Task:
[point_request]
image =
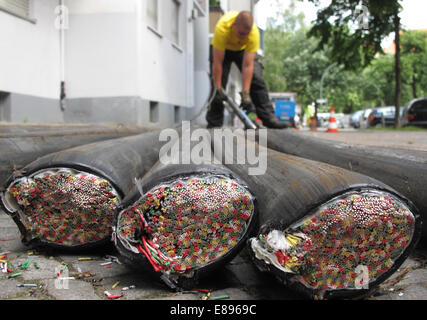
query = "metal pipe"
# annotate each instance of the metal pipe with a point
(249, 124)
(62, 12)
(323, 77)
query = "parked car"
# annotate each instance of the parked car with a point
(340, 118)
(364, 118)
(323, 119)
(382, 116)
(355, 119)
(415, 113)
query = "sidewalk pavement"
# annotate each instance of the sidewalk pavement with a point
(238, 280)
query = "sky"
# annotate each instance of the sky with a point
(413, 15)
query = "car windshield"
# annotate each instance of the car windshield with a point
(389, 112)
(420, 105)
(386, 111)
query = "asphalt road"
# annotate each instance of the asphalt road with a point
(412, 140)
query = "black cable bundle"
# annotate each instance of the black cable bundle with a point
(403, 170)
(325, 231)
(68, 199)
(184, 221)
(22, 144)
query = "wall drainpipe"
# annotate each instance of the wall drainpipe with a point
(62, 19)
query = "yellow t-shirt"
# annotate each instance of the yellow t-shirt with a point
(225, 38)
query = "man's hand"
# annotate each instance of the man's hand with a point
(220, 94)
(247, 103)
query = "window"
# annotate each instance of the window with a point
(177, 114)
(419, 105)
(4, 106)
(201, 3)
(19, 8)
(152, 14)
(176, 4)
(199, 8)
(154, 111)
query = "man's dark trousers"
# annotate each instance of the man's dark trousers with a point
(258, 90)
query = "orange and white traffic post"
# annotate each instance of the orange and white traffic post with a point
(332, 126)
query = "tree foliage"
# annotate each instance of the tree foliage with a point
(414, 59)
(295, 61)
(355, 35)
(354, 29)
(292, 64)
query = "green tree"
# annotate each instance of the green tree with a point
(291, 65)
(355, 29)
(380, 88)
(275, 40)
(414, 59)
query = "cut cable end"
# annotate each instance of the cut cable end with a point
(186, 224)
(63, 206)
(350, 243)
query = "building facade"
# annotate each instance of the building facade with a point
(142, 62)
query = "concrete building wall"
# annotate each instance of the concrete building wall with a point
(115, 62)
(29, 64)
(29, 52)
(116, 67)
(202, 82)
(237, 5)
(101, 49)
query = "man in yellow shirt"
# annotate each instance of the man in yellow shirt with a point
(236, 39)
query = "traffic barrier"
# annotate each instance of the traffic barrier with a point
(332, 125)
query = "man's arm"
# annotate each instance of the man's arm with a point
(247, 70)
(218, 58)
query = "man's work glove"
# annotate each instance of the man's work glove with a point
(247, 103)
(220, 95)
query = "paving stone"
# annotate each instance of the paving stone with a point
(180, 296)
(71, 290)
(48, 268)
(418, 276)
(239, 279)
(417, 291)
(9, 289)
(94, 266)
(233, 293)
(146, 286)
(9, 230)
(246, 274)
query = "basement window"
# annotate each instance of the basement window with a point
(18, 8)
(154, 111)
(177, 114)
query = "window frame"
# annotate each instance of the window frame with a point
(177, 34)
(29, 17)
(155, 29)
